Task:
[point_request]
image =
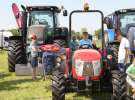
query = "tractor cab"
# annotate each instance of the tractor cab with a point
(123, 20)
(41, 21)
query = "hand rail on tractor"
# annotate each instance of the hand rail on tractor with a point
(89, 11)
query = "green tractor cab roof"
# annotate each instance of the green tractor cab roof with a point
(122, 11)
(43, 8)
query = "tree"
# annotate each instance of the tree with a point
(78, 35)
(73, 32)
(14, 32)
(84, 30)
(98, 33)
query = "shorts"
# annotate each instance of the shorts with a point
(34, 62)
(131, 82)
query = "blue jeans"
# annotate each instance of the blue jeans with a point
(34, 62)
(48, 62)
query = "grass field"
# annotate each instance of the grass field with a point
(14, 87)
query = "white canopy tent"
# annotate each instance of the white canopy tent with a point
(3, 35)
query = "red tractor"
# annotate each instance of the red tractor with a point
(87, 69)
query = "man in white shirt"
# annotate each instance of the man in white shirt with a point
(123, 53)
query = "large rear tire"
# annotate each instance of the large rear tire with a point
(16, 52)
(58, 86)
(20, 53)
(11, 56)
(119, 85)
(61, 43)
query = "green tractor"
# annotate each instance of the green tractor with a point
(123, 20)
(41, 20)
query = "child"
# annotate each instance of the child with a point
(131, 77)
(34, 55)
(85, 40)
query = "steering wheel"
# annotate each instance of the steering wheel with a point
(85, 46)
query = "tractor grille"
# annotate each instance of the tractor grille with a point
(88, 69)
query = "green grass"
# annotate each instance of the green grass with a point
(24, 88)
(98, 43)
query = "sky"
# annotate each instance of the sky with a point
(7, 20)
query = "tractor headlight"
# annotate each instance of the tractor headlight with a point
(96, 63)
(79, 67)
(79, 63)
(58, 59)
(109, 57)
(96, 67)
(58, 65)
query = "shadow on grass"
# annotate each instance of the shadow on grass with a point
(95, 96)
(4, 75)
(48, 86)
(12, 84)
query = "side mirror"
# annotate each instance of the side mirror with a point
(65, 12)
(108, 22)
(23, 7)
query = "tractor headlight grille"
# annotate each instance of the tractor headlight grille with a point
(87, 68)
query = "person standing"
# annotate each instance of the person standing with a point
(131, 77)
(34, 55)
(74, 44)
(123, 53)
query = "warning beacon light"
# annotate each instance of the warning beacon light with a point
(86, 6)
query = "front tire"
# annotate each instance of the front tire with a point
(58, 86)
(16, 52)
(115, 48)
(119, 85)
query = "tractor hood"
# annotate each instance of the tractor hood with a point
(87, 55)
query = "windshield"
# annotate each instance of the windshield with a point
(89, 25)
(126, 19)
(42, 18)
(42, 24)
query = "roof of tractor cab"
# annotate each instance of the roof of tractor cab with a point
(43, 8)
(123, 11)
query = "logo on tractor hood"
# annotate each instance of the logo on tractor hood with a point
(84, 68)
